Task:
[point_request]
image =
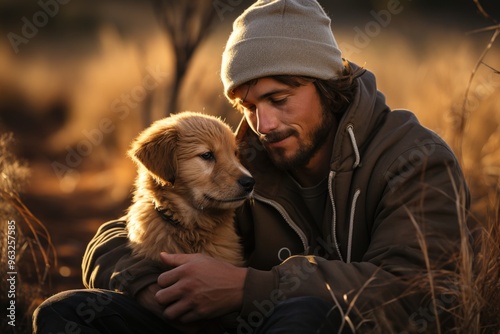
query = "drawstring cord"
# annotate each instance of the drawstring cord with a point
(351, 224)
(357, 162)
(350, 130)
(331, 176)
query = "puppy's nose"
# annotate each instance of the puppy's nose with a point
(247, 182)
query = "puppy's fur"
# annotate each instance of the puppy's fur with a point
(189, 183)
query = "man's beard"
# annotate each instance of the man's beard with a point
(308, 147)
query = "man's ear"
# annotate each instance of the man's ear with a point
(155, 149)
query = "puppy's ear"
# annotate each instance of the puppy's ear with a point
(155, 149)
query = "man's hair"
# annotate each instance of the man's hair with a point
(335, 94)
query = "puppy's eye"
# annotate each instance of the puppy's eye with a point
(209, 156)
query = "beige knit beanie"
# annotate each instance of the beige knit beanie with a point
(280, 37)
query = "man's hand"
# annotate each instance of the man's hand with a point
(146, 297)
(199, 287)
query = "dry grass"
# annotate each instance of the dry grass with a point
(474, 286)
(34, 251)
(464, 299)
(429, 77)
(479, 268)
(486, 271)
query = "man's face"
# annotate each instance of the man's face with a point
(290, 121)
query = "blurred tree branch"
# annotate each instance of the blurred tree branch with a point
(465, 112)
(483, 12)
(187, 23)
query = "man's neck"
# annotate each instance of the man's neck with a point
(318, 167)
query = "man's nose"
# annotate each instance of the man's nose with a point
(266, 119)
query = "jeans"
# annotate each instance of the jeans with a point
(102, 311)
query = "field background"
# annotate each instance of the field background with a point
(61, 94)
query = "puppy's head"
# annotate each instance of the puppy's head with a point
(197, 155)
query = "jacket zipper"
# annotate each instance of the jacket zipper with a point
(287, 219)
(334, 218)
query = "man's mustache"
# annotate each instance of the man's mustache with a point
(276, 136)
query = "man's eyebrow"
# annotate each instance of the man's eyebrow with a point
(239, 101)
(274, 92)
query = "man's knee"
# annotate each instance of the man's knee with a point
(62, 313)
(58, 304)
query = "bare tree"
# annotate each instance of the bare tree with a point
(187, 23)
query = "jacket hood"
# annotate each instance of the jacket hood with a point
(358, 123)
(354, 131)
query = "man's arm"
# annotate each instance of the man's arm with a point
(108, 262)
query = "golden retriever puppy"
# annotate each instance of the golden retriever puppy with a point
(188, 185)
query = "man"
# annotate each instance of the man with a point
(352, 203)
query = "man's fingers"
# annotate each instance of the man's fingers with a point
(168, 296)
(175, 260)
(179, 304)
(171, 276)
(181, 267)
(167, 278)
(199, 287)
(177, 310)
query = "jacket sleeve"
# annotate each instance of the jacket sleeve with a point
(427, 199)
(108, 262)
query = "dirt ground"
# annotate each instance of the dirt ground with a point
(72, 220)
